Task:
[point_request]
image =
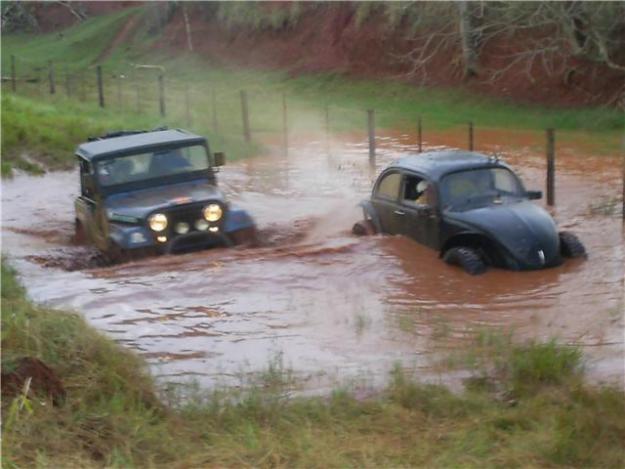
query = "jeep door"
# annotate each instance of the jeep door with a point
(417, 203)
(385, 200)
(89, 209)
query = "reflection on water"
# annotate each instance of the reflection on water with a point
(335, 307)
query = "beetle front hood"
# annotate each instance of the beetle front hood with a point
(138, 204)
(525, 230)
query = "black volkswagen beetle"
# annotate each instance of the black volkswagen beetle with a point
(154, 192)
(470, 207)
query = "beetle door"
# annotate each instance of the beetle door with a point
(385, 200)
(418, 203)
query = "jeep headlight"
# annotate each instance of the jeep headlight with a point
(157, 222)
(212, 212)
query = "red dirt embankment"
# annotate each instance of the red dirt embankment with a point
(328, 37)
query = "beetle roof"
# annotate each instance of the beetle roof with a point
(436, 164)
(136, 142)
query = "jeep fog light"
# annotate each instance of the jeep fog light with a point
(201, 225)
(158, 222)
(161, 239)
(212, 212)
(182, 228)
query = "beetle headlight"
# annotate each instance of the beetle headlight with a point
(212, 212)
(157, 222)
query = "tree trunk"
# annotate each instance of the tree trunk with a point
(467, 40)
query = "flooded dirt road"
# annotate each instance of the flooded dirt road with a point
(333, 307)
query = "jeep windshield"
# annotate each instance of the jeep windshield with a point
(152, 165)
(479, 187)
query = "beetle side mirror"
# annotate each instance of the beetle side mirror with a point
(534, 195)
(220, 158)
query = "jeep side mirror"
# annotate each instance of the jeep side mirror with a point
(220, 159)
(88, 186)
(534, 195)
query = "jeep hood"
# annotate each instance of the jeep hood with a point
(523, 229)
(139, 203)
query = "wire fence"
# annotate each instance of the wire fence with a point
(148, 90)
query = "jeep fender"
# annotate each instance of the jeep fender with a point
(237, 219)
(370, 213)
(496, 254)
(129, 236)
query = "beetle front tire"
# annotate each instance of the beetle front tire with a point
(467, 258)
(571, 246)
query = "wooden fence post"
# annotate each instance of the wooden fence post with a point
(285, 129)
(327, 128)
(13, 75)
(214, 106)
(623, 169)
(68, 90)
(371, 131)
(161, 94)
(470, 136)
(187, 105)
(100, 86)
(420, 135)
(551, 167)
(120, 102)
(51, 77)
(246, 117)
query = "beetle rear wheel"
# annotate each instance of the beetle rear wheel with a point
(467, 258)
(571, 246)
(364, 228)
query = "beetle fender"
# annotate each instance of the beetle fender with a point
(370, 213)
(495, 254)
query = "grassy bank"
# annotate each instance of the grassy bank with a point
(40, 135)
(531, 409)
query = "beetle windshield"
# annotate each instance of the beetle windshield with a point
(151, 165)
(478, 187)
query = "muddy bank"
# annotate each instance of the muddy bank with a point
(333, 307)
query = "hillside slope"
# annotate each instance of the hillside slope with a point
(372, 40)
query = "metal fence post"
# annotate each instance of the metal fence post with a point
(371, 131)
(551, 167)
(470, 136)
(246, 119)
(100, 86)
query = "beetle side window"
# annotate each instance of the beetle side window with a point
(388, 188)
(417, 191)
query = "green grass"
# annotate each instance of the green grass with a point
(111, 418)
(39, 135)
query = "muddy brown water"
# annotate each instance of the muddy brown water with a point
(333, 308)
